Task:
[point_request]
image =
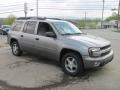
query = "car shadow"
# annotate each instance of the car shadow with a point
(38, 59)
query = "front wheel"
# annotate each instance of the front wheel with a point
(16, 49)
(72, 64)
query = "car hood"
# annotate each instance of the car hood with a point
(90, 40)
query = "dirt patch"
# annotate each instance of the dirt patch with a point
(66, 80)
(31, 73)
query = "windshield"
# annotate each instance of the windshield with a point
(66, 28)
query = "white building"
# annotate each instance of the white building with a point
(108, 25)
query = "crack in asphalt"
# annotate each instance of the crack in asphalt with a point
(64, 82)
(1, 46)
(17, 64)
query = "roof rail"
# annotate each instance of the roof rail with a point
(54, 18)
(33, 18)
(36, 18)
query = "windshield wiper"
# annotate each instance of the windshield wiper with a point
(67, 34)
(77, 33)
(71, 33)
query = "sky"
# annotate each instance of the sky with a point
(58, 8)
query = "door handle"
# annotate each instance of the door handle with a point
(36, 38)
(22, 36)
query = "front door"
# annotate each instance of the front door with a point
(46, 46)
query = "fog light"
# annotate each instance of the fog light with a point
(96, 64)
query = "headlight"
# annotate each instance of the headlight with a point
(94, 52)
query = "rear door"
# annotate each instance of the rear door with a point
(27, 37)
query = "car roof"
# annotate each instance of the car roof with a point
(40, 19)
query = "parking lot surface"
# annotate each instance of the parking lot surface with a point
(29, 72)
(3, 41)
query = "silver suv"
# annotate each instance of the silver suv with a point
(59, 40)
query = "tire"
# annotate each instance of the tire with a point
(72, 64)
(4, 33)
(16, 49)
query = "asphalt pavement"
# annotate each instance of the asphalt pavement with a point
(29, 72)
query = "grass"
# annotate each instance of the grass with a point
(89, 23)
(117, 31)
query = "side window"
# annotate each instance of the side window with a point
(43, 28)
(25, 26)
(29, 27)
(17, 25)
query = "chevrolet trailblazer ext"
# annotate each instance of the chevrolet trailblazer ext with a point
(60, 40)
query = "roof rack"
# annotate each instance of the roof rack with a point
(54, 18)
(36, 18)
(33, 18)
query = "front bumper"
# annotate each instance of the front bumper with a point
(90, 62)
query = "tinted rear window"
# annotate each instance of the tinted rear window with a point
(17, 25)
(29, 27)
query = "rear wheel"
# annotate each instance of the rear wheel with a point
(4, 33)
(72, 64)
(16, 49)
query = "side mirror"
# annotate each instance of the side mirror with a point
(50, 34)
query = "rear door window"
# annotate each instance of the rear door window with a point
(30, 27)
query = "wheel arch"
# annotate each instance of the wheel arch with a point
(67, 50)
(12, 40)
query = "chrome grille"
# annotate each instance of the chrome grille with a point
(105, 47)
(105, 50)
(103, 54)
